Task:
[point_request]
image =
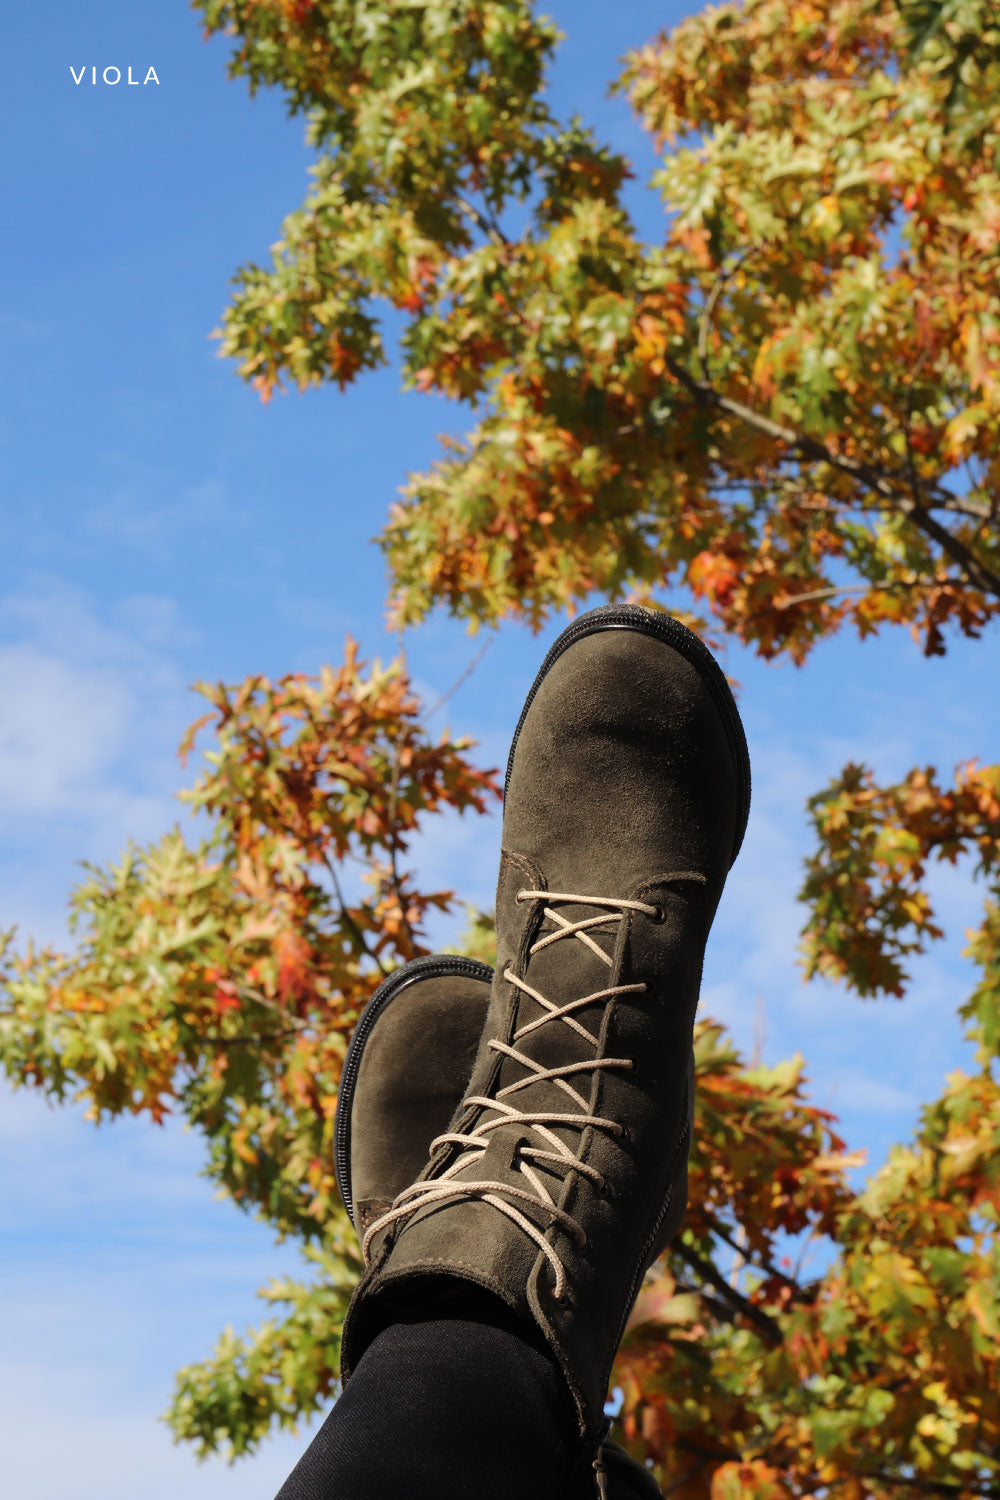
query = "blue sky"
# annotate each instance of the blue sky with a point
(160, 526)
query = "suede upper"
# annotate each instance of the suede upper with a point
(624, 788)
(414, 1068)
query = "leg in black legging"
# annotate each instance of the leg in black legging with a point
(452, 1402)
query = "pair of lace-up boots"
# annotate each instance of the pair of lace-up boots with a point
(528, 1130)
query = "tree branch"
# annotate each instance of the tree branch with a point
(256, 997)
(866, 588)
(756, 1315)
(312, 842)
(718, 1455)
(687, 1476)
(482, 221)
(930, 1486)
(976, 572)
(878, 481)
(759, 1260)
(718, 1309)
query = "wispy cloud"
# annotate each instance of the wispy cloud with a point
(77, 1426)
(168, 522)
(123, 1269)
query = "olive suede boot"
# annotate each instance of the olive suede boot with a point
(565, 1169)
(404, 1076)
(405, 1073)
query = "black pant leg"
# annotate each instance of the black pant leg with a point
(461, 1406)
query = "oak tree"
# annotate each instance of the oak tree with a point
(784, 412)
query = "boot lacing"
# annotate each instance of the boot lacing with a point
(441, 1189)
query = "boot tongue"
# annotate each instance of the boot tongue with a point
(501, 1159)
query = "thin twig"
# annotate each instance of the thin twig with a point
(830, 593)
(250, 1041)
(759, 1261)
(717, 1308)
(740, 1258)
(349, 921)
(462, 677)
(258, 998)
(393, 847)
(807, 1244)
(911, 465)
(321, 855)
(705, 322)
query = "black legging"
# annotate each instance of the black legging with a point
(456, 1404)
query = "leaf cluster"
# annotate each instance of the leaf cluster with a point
(869, 907)
(221, 980)
(795, 389)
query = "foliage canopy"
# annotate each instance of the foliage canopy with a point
(785, 411)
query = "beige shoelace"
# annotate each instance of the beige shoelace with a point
(504, 1195)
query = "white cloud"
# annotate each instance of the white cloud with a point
(860, 1091)
(92, 705)
(60, 725)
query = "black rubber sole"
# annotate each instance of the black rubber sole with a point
(672, 633)
(435, 966)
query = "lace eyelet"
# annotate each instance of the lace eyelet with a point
(659, 914)
(521, 896)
